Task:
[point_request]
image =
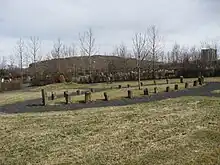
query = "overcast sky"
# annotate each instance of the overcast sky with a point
(113, 21)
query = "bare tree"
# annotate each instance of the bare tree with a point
(20, 50)
(11, 61)
(175, 53)
(33, 48)
(122, 51)
(88, 47)
(3, 63)
(154, 46)
(140, 52)
(57, 52)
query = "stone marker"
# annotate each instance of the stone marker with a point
(142, 84)
(167, 80)
(130, 94)
(200, 80)
(92, 90)
(168, 89)
(186, 85)
(128, 85)
(155, 89)
(195, 83)
(155, 83)
(53, 95)
(146, 92)
(78, 92)
(181, 79)
(44, 97)
(176, 87)
(64, 93)
(88, 97)
(203, 79)
(106, 96)
(67, 97)
(119, 86)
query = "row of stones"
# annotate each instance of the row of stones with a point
(88, 95)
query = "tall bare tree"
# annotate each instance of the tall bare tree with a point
(11, 61)
(33, 48)
(175, 53)
(140, 52)
(57, 53)
(20, 51)
(154, 46)
(3, 63)
(88, 47)
(122, 51)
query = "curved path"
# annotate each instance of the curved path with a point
(205, 90)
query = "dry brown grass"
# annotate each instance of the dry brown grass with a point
(174, 131)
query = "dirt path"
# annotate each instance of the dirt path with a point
(22, 107)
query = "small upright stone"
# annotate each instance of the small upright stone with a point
(176, 87)
(67, 98)
(78, 92)
(167, 80)
(167, 89)
(146, 92)
(155, 90)
(142, 84)
(203, 79)
(64, 93)
(181, 79)
(53, 95)
(130, 94)
(92, 90)
(155, 83)
(200, 80)
(44, 97)
(88, 97)
(195, 83)
(128, 85)
(186, 85)
(106, 96)
(119, 86)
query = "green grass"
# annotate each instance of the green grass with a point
(216, 91)
(185, 130)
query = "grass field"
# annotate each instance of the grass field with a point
(185, 130)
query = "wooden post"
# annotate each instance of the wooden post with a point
(167, 80)
(130, 94)
(146, 92)
(44, 97)
(176, 87)
(181, 79)
(142, 84)
(128, 85)
(53, 95)
(92, 90)
(155, 83)
(186, 85)
(203, 79)
(155, 89)
(119, 86)
(106, 96)
(200, 80)
(167, 89)
(88, 97)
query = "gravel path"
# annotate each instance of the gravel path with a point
(22, 107)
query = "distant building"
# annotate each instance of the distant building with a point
(209, 55)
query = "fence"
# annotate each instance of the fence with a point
(9, 86)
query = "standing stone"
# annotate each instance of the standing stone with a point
(44, 97)
(146, 92)
(142, 84)
(53, 95)
(106, 96)
(176, 87)
(155, 83)
(168, 89)
(155, 90)
(200, 80)
(195, 83)
(78, 92)
(67, 98)
(92, 90)
(128, 85)
(88, 97)
(181, 79)
(130, 94)
(64, 93)
(119, 86)
(167, 80)
(186, 85)
(203, 79)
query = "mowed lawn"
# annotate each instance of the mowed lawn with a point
(185, 130)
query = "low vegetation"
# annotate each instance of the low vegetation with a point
(185, 130)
